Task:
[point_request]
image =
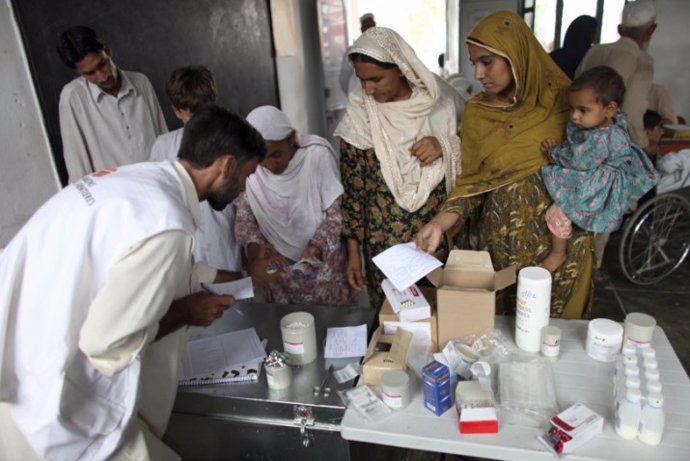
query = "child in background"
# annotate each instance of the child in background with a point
(189, 88)
(598, 173)
(674, 167)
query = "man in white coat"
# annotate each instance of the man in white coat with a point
(96, 292)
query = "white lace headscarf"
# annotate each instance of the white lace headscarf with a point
(391, 128)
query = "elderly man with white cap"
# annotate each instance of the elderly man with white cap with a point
(628, 57)
(289, 220)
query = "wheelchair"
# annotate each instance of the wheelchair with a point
(656, 238)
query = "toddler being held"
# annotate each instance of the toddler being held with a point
(598, 173)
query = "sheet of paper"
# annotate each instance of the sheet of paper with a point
(416, 328)
(240, 289)
(228, 350)
(404, 264)
(346, 342)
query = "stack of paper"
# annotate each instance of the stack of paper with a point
(231, 357)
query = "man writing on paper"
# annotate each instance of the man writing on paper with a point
(95, 294)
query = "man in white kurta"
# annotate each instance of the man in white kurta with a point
(628, 57)
(215, 236)
(95, 291)
(108, 117)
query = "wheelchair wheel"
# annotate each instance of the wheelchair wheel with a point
(656, 239)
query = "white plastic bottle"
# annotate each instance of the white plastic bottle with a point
(630, 371)
(533, 307)
(648, 353)
(651, 427)
(630, 383)
(652, 386)
(629, 414)
(623, 361)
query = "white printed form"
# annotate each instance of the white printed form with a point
(404, 264)
(240, 289)
(346, 342)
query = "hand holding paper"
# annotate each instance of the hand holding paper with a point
(404, 264)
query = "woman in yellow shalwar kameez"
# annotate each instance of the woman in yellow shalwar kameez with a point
(499, 199)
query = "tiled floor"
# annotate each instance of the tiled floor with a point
(668, 301)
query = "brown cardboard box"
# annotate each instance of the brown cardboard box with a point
(375, 363)
(386, 314)
(466, 294)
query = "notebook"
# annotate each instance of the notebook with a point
(242, 374)
(232, 357)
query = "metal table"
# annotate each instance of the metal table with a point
(251, 421)
(578, 378)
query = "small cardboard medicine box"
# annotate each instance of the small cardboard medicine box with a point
(410, 304)
(389, 320)
(436, 385)
(375, 363)
(466, 294)
(576, 426)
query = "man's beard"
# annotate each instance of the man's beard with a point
(224, 195)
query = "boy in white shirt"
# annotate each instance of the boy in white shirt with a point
(189, 88)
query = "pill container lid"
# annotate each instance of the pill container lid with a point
(640, 319)
(639, 326)
(535, 275)
(550, 333)
(394, 379)
(606, 328)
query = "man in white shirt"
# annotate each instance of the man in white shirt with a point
(628, 57)
(96, 291)
(189, 88)
(108, 117)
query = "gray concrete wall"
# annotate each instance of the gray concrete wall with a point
(27, 172)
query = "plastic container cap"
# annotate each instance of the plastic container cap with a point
(535, 275)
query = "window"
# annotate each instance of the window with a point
(550, 18)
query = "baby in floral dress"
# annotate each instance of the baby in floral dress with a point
(598, 173)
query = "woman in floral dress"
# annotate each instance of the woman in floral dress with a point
(289, 220)
(399, 152)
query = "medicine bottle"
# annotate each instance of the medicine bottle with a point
(533, 307)
(629, 414)
(651, 427)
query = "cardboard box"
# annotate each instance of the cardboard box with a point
(410, 304)
(466, 294)
(376, 362)
(389, 320)
(572, 428)
(436, 384)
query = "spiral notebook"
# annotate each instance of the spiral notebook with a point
(242, 374)
(235, 357)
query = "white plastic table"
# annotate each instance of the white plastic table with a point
(578, 377)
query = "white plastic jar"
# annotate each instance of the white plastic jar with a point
(604, 339)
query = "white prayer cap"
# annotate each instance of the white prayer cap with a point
(270, 122)
(366, 16)
(639, 13)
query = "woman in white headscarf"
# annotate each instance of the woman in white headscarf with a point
(400, 152)
(289, 220)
